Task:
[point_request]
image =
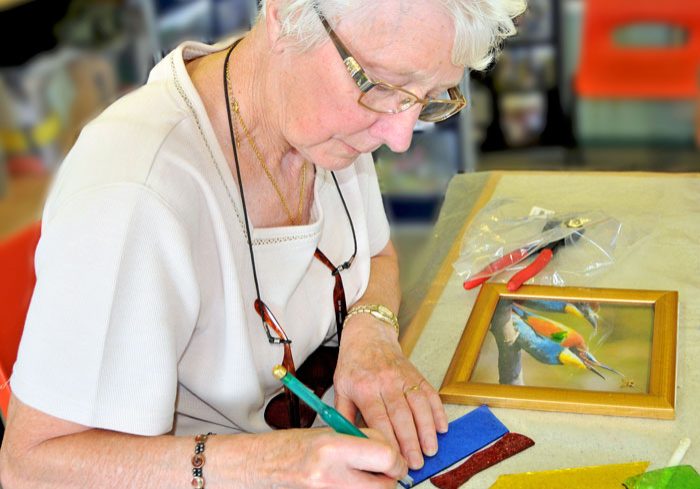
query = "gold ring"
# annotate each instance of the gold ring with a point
(411, 389)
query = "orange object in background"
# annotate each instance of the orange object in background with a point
(608, 70)
(16, 287)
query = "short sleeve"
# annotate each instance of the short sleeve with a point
(115, 303)
(378, 231)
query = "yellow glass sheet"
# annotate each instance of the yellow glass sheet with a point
(597, 476)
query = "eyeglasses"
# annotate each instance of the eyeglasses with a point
(284, 410)
(380, 96)
(270, 322)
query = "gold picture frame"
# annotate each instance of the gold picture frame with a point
(633, 330)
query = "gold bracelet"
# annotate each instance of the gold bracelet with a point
(379, 311)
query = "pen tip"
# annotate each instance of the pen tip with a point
(279, 371)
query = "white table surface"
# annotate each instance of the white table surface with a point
(659, 249)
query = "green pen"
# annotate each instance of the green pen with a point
(328, 414)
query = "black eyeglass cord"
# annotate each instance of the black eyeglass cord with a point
(345, 265)
(341, 267)
(270, 338)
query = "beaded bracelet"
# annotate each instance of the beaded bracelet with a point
(198, 461)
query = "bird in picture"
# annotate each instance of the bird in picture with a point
(543, 349)
(553, 342)
(586, 310)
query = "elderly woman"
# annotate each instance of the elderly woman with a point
(219, 221)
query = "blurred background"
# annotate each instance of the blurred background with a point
(585, 85)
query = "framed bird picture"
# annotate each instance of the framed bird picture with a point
(582, 350)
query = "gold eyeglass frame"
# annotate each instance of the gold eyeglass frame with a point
(365, 83)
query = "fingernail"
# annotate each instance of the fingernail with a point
(430, 448)
(415, 460)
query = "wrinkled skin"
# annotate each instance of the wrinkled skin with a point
(374, 377)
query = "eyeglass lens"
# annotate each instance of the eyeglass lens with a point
(390, 100)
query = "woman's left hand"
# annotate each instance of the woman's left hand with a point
(374, 376)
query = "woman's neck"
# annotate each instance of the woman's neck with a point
(252, 75)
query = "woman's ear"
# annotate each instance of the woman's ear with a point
(273, 25)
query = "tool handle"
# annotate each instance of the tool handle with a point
(544, 257)
(470, 284)
(504, 262)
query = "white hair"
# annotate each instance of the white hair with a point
(481, 26)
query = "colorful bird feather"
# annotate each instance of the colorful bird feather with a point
(557, 333)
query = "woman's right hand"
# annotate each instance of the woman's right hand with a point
(320, 458)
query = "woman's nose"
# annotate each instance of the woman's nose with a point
(396, 130)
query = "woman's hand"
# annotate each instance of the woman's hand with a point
(320, 458)
(375, 377)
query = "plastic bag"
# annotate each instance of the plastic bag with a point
(501, 238)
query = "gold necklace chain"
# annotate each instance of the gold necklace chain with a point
(261, 160)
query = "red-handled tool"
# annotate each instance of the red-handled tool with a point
(543, 258)
(574, 231)
(494, 267)
(531, 270)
